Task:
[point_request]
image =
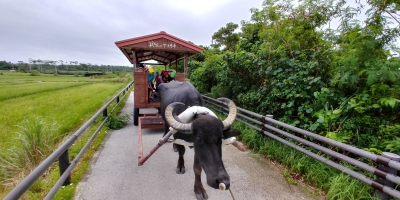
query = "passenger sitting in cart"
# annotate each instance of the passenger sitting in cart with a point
(166, 78)
(140, 68)
(156, 79)
(173, 74)
(150, 78)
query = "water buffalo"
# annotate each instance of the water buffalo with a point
(206, 132)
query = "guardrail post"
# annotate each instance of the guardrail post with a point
(118, 99)
(381, 195)
(63, 163)
(105, 114)
(268, 122)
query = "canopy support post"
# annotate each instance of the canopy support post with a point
(186, 66)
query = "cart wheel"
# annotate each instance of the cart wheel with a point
(135, 116)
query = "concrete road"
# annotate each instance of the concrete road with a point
(115, 173)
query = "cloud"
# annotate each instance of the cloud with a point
(85, 31)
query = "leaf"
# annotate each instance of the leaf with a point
(314, 80)
(376, 106)
(331, 135)
(361, 72)
(374, 150)
(337, 111)
(389, 101)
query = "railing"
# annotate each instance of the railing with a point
(265, 124)
(62, 154)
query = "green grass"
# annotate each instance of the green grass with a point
(336, 185)
(43, 185)
(68, 107)
(16, 78)
(27, 117)
(8, 91)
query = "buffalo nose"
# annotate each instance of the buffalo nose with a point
(223, 184)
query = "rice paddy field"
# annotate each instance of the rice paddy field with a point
(65, 102)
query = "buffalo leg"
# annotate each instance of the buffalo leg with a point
(199, 190)
(180, 169)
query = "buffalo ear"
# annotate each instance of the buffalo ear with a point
(231, 133)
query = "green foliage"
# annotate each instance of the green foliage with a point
(118, 122)
(205, 77)
(226, 38)
(389, 135)
(40, 136)
(337, 184)
(25, 88)
(109, 76)
(34, 73)
(84, 164)
(340, 189)
(343, 84)
(393, 146)
(36, 139)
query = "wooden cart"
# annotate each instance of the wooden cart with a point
(163, 48)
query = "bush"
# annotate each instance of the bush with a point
(34, 73)
(109, 76)
(118, 122)
(36, 140)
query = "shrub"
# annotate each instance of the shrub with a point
(118, 122)
(109, 76)
(34, 73)
(36, 140)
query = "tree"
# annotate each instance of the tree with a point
(226, 38)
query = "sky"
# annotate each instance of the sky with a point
(86, 30)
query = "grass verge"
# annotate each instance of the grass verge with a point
(42, 186)
(68, 107)
(296, 167)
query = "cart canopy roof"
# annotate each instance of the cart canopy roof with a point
(162, 47)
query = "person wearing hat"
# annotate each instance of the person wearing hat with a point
(150, 77)
(141, 67)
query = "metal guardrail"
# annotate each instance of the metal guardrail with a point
(265, 124)
(61, 153)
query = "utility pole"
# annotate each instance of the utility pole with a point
(61, 61)
(30, 63)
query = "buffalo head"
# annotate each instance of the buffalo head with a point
(208, 133)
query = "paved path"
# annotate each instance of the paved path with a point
(114, 173)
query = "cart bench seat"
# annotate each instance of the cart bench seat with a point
(151, 122)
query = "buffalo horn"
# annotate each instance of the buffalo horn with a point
(185, 128)
(232, 113)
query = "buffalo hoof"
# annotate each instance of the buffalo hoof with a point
(180, 170)
(201, 196)
(175, 148)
